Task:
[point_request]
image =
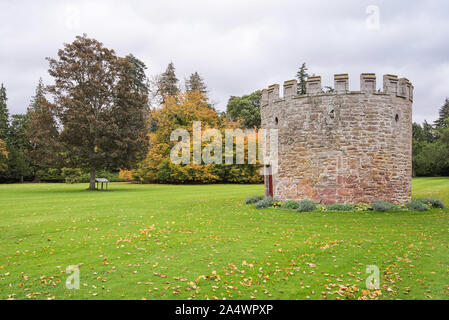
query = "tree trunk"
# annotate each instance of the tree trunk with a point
(21, 179)
(92, 179)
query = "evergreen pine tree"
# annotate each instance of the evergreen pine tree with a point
(167, 84)
(137, 72)
(38, 97)
(302, 75)
(4, 114)
(196, 82)
(42, 132)
(428, 132)
(17, 146)
(443, 115)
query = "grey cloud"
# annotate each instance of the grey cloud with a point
(238, 46)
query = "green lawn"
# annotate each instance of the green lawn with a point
(179, 242)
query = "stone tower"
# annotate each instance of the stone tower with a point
(341, 146)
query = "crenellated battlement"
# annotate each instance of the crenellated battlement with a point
(341, 83)
(392, 85)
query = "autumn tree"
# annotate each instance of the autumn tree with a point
(3, 157)
(42, 132)
(302, 75)
(4, 114)
(100, 101)
(246, 108)
(176, 113)
(180, 113)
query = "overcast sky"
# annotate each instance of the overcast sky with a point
(238, 46)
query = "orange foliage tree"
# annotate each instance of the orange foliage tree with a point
(179, 113)
(3, 157)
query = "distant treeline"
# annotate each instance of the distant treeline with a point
(104, 116)
(431, 146)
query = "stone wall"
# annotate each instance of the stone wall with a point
(342, 147)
